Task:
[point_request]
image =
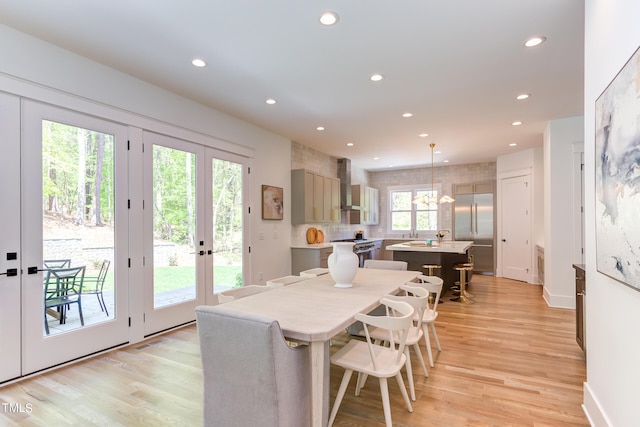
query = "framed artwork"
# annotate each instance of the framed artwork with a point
(272, 204)
(617, 163)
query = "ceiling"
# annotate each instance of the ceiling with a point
(456, 65)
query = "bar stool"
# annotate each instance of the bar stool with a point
(464, 297)
(431, 267)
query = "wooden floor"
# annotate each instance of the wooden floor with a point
(507, 360)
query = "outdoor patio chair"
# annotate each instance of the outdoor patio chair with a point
(95, 285)
(63, 287)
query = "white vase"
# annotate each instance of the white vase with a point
(343, 264)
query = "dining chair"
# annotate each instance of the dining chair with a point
(57, 263)
(251, 376)
(284, 281)
(241, 292)
(385, 264)
(356, 328)
(368, 358)
(433, 284)
(98, 285)
(418, 298)
(63, 287)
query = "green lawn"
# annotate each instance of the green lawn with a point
(169, 278)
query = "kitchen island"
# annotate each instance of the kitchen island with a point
(446, 254)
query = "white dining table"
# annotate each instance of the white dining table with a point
(313, 311)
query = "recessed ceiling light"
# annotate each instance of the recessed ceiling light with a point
(535, 41)
(522, 96)
(329, 18)
(320, 128)
(423, 135)
(516, 123)
(270, 101)
(349, 144)
(445, 161)
(407, 115)
(513, 144)
(376, 77)
(197, 62)
(376, 158)
(438, 152)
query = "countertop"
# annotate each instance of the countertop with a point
(448, 246)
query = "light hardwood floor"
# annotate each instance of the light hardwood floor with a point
(507, 360)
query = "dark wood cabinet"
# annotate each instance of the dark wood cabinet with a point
(580, 305)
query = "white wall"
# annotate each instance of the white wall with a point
(34, 69)
(613, 310)
(559, 275)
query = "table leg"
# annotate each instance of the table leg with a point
(318, 393)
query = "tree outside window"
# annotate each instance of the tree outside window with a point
(406, 215)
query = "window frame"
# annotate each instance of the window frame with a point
(414, 190)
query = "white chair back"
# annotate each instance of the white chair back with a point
(398, 320)
(284, 281)
(241, 292)
(384, 264)
(433, 284)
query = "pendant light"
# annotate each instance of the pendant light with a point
(426, 200)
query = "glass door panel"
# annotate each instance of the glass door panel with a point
(174, 226)
(77, 225)
(227, 223)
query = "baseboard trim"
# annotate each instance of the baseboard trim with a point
(591, 408)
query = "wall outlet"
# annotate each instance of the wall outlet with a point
(260, 236)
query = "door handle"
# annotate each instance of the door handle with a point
(10, 272)
(504, 240)
(34, 270)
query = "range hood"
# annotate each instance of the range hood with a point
(344, 173)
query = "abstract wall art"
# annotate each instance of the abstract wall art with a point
(272, 205)
(617, 163)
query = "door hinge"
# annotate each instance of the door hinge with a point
(128, 145)
(129, 262)
(249, 249)
(249, 209)
(249, 170)
(144, 260)
(129, 321)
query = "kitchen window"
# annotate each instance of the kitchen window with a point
(406, 216)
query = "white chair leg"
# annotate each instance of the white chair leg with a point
(416, 347)
(403, 391)
(343, 387)
(427, 343)
(409, 369)
(386, 407)
(362, 379)
(435, 335)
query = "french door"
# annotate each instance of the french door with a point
(9, 238)
(194, 234)
(74, 218)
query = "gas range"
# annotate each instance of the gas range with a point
(359, 245)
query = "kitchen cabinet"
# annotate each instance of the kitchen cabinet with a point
(367, 198)
(314, 198)
(474, 188)
(312, 257)
(388, 255)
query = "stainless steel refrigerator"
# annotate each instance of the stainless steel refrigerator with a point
(474, 221)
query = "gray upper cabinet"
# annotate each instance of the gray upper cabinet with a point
(314, 198)
(475, 188)
(368, 199)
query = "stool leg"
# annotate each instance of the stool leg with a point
(463, 285)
